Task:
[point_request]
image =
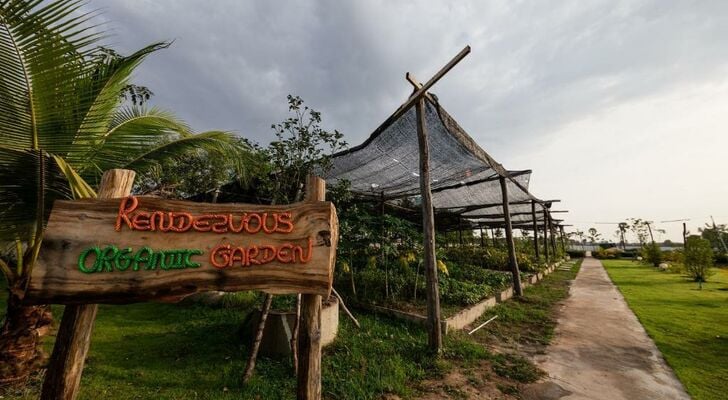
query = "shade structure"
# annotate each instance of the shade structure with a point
(464, 177)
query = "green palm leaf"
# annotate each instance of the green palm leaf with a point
(222, 144)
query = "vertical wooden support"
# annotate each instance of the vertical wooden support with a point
(685, 236)
(535, 228)
(482, 239)
(553, 239)
(517, 289)
(63, 377)
(562, 237)
(428, 230)
(309, 337)
(546, 235)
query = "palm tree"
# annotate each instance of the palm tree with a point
(62, 123)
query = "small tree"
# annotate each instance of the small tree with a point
(652, 254)
(594, 235)
(698, 259)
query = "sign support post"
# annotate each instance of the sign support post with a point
(63, 377)
(309, 337)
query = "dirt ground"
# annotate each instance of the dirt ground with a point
(601, 351)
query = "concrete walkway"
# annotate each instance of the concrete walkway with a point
(600, 350)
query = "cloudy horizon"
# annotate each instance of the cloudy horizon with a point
(617, 107)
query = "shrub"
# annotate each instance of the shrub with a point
(652, 254)
(576, 253)
(462, 293)
(673, 256)
(604, 254)
(721, 259)
(698, 259)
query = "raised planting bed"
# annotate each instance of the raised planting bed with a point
(454, 318)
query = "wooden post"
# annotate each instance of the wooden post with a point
(517, 289)
(546, 235)
(685, 236)
(561, 236)
(309, 338)
(553, 239)
(428, 228)
(63, 376)
(482, 239)
(535, 228)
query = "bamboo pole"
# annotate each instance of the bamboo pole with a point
(63, 376)
(428, 228)
(518, 290)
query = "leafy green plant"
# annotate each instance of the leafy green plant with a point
(652, 254)
(62, 123)
(301, 147)
(698, 259)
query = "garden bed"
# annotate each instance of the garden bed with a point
(454, 317)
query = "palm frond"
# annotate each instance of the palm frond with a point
(80, 189)
(23, 207)
(43, 52)
(100, 98)
(133, 131)
(221, 144)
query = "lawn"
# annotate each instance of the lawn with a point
(689, 326)
(165, 351)
(529, 321)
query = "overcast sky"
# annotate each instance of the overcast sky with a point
(619, 108)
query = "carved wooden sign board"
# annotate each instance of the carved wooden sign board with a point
(141, 248)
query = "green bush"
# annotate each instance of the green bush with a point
(721, 258)
(576, 253)
(673, 256)
(698, 259)
(652, 254)
(462, 293)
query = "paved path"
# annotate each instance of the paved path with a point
(600, 350)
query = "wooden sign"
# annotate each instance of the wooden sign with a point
(140, 248)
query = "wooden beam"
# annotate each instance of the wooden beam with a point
(535, 229)
(512, 260)
(63, 376)
(416, 96)
(428, 230)
(309, 339)
(491, 205)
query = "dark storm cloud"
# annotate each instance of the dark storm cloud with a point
(587, 93)
(535, 65)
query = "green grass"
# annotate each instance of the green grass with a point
(164, 351)
(689, 326)
(531, 319)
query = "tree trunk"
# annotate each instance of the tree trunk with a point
(20, 339)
